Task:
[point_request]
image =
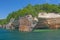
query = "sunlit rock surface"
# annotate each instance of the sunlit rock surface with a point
(54, 23)
(26, 23)
(48, 15)
(10, 24)
(48, 20)
(0, 26)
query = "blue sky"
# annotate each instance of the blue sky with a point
(8, 6)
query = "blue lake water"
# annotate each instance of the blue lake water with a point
(16, 35)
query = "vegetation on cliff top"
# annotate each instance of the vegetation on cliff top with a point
(33, 10)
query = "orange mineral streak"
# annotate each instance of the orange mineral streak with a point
(54, 23)
(24, 24)
(24, 28)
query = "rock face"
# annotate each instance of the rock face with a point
(0, 26)
(48, 20)
(10, 25)
(42, 24)
(52, 23)
(26, 23)
(16, 24)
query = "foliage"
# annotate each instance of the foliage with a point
(33, 10)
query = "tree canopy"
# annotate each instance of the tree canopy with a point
(33, 10)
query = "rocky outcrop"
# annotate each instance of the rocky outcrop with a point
(48, 20)
(16, 24)
(10, 25)
(0, 26)
(42, 24)
(54, 23)
(26, 23)
(51, 23)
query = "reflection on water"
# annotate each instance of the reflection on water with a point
(15, 35)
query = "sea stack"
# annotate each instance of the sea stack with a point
(25, 23)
